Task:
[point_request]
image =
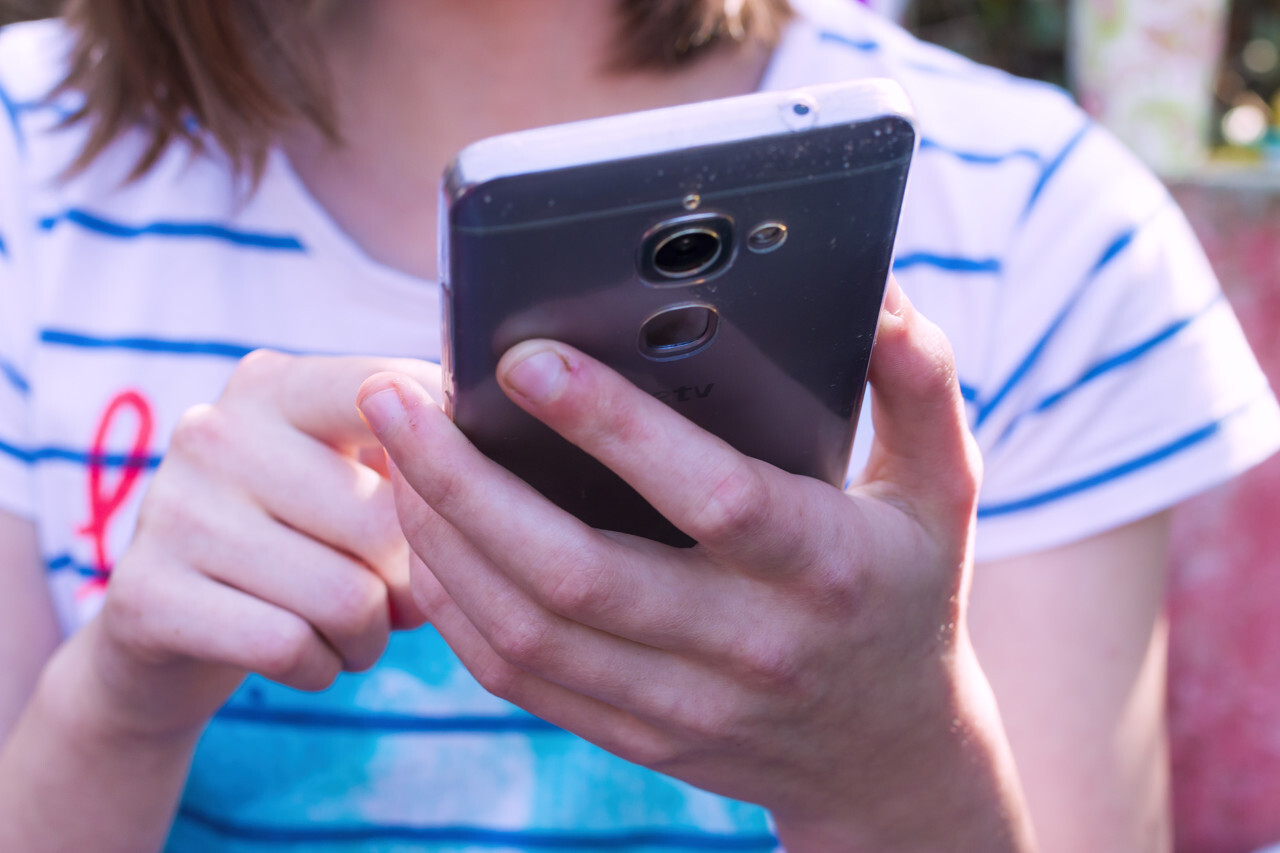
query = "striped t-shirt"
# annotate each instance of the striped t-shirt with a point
(1106, 379)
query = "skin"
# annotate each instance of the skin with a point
(396, 74)
(809, 637)
(1073, 641)
(314, 579)
(884, 712)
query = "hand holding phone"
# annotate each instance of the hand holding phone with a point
(809, 655)
(729, 258)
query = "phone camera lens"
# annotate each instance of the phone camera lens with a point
(766, 237)
(687, 252)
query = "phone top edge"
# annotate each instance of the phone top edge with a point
(671, 129)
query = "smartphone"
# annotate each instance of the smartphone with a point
(728, 257)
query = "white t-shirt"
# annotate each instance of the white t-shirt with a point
(1106, 379)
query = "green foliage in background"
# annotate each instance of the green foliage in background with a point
(1026, 37)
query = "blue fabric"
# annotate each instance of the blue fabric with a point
(414, 755)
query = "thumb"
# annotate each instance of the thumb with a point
(923, 453)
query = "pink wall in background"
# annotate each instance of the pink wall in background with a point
(1225, 597)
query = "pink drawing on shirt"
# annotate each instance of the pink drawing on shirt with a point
(104, 504)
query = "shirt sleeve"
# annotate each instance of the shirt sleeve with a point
(16, 310)
(1119, 382)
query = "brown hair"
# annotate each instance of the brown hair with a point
(237, 71)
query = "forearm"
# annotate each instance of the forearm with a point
(73, 778)
(1073, 641)
(955, 792)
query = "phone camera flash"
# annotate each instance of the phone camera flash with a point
(692, 201)
(766, 237)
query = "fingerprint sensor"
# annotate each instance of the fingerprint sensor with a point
(678, 330)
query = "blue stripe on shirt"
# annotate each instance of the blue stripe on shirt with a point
(222, 349)
(12, 450)
(384, 722)
(861, 45)
(1113, 250)
(528, 839)
(68, 563)
(31, 456)
(11, 110)
(62, 108)
(15, 378)
(1114, 362)
(1101, 478)
(962, 266)
(1052, 166)
(977, 158)
(177, 346)
(192, 230)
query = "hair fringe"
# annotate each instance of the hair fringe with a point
(231, 75)
(210, 73)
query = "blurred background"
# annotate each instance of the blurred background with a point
(1119, 57)
(1067, 42)
(1193, 86)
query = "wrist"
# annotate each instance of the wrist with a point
(951, 786)
(101, 693)
(77, 742)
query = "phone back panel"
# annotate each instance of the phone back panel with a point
(557, 254)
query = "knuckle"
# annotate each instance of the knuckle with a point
(286, 654)
(357, 608)
(445, 492)
(201, 433)
(973, 467)
(499, 677)
(959, 488)
(583, 588)
(831, 590)
(737, 506)
(940, 375)
(523, 642)
(260, 369)
(707, 723)
(655, 752)
(935, 369)
(769, 667)
(169, 515)
(319, 675)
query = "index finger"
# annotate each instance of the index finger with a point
(724, 500)
(317, 394)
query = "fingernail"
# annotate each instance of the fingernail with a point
(382, 410)
(893, 298)
(539, 377)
